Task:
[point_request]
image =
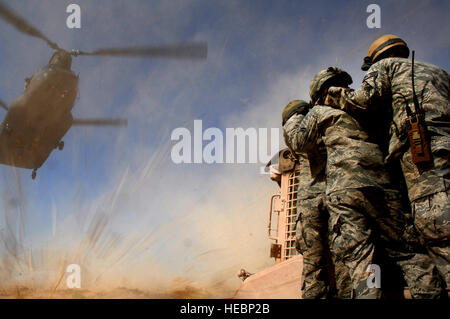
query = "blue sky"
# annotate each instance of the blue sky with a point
(261, 55)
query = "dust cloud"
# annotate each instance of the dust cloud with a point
(125, 250)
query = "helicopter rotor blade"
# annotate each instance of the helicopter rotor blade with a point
(180, 51)
(101, 122)
(3, 105)
(11, 17)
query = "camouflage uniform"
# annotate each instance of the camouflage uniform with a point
(360, 200)
(387, 85)
(311, 231)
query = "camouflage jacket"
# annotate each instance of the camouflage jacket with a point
(311, 166)
(387, 88)
(352, 161)
(311, 179)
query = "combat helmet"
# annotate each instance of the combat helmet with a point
(331, 76)
(294, 107)
(381, 45)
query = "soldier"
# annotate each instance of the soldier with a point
(312, 221)
(364, 208)
(420, 120)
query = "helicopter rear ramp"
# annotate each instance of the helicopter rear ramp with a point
(281, 281)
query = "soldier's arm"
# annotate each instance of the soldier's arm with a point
(301, 132)
(375, 91)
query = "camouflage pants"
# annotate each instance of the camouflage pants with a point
(432, 220)
(368, 219)
(312, 242)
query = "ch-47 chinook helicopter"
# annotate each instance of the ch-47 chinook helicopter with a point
(36, 122)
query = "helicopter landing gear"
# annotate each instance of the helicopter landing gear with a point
(33, 175)
(60, 145)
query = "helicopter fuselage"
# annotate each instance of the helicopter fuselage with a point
(37, 120)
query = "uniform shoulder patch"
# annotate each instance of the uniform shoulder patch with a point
(370, 75)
